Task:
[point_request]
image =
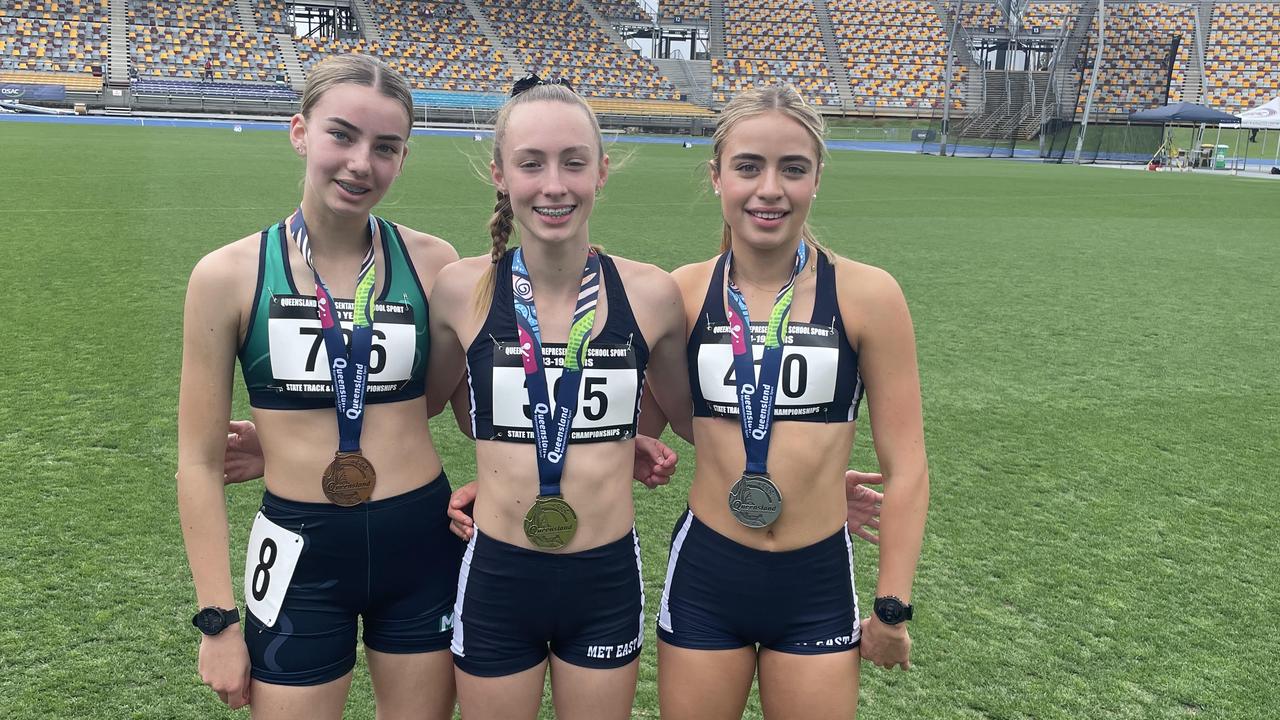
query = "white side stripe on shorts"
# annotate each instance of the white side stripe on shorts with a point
(664, 612)
(456, 646)
(853, 583)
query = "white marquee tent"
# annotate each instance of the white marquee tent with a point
(1265, 117)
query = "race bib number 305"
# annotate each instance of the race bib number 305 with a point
(300, 363)
(607, 396)
(268, 567)
(807, 381)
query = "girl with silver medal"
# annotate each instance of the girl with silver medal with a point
(282, 300)
(759, 589)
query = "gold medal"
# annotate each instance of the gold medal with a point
(550, 523)
(349, 479)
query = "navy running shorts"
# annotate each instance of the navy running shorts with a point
(391, 562)
(721, 595)
(514, 603)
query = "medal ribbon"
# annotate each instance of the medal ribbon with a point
(551, 430)
(755, 401)
(348, 369)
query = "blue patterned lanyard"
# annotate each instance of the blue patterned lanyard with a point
(551, 442)
(755, 401)
(349, 370)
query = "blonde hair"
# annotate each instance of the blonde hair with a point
(502, 223)
(357, 70)
(753, 102)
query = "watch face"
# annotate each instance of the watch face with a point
(890, 612)
(210, 621)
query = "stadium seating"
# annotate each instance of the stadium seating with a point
(892, 51)
(769, 41)
(1242, 61)
(171, 13)
(1135, 71)
(685, 11)
(78, 82)
(626, 10)
(73, 10)
(559, 39)
(271, 16)
(1048, 17)
(52, 45)
(174, 40)
(181, 52)
(198, 88)
(895, 52)
(436, 45)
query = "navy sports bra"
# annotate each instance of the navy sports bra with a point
(819, 381)
(609, 398)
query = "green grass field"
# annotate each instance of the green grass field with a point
(1098, 354)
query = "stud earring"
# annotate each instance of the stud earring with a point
(815, 196)
(717, 192)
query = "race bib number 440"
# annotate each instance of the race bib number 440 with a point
(807, 379)
(300, 363)
(607, 396)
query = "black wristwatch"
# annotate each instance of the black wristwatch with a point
(213, 620)
(891, 610)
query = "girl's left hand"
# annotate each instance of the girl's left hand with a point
(655, 463)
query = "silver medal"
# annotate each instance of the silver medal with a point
(754, 500)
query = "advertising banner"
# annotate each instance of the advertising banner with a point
(23, 91)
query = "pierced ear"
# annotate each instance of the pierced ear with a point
(298, 133)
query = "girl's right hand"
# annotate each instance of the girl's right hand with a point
(224, 666)
(242, 459)
(461, 504)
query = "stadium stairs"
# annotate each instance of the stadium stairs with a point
(244, 12)
(691, 77)
(715, 34)
(292, 63)
(118, 43)
(839, 69)
(369, 29)
(509, 56)
(1194, 85)
(973, 93)
(1066, 78)
(1012, 106)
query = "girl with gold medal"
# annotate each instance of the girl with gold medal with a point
(557, 340)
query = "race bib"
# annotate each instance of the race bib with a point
(300, 362)
(807, 383)
(268, 568)
(607, 396)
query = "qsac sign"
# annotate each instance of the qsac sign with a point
(22, 91)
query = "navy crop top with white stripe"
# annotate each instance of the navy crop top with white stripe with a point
(820, 381)
(609, 398)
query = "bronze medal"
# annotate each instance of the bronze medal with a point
(550, 523)
(349, 479)
(754, 500)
